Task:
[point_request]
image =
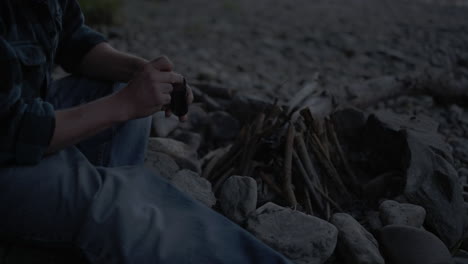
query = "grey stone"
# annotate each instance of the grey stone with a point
(405, 244)
(373, 221)
(195, 186)
(192, 139)
(223, 126)
(395, 213)
(432, 183)
(162, 125)
(302, 238)
(183, 154)
(238, 197)
(461, 257)
(460, 149)
(355, 243)
(161, 163)
(413, 147)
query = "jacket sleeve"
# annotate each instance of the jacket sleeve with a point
(26, 126)
(76, 38)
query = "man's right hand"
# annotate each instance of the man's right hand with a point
(149, 90)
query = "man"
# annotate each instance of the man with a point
(70, 150)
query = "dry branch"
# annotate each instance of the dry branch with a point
(288, 155)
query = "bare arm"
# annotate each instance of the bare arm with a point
(146, 94)
(106, 63)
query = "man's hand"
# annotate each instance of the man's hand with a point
(150, 90)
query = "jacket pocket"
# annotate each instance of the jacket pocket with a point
(34, 69)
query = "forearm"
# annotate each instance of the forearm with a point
(75, 124)
(106, 63)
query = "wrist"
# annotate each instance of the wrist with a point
(137, 65)
(120, 109)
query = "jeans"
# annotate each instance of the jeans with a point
(97, 197)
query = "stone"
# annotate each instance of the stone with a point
(192, 139)
(304, 239)
(460, 149)
(461, 257)
(433, 183)
(243, 107)
(412, 147)
(238, 197)
(355, 243)
(182, 154)
(373, 221)
(198, 119)
(395, 213)
(223, 126)
(161, 164)
(162, 125)
(405, 244)
(195, 186)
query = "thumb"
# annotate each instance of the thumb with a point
(162, 64)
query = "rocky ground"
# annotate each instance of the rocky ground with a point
(272, 49)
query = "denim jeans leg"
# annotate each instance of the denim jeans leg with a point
(121, 145)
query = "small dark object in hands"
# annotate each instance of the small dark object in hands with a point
(179, 104)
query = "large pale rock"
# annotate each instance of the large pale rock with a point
(161, 163)
(183, 154)
(395, 213)
(410, 149)
(355, 243)
(302, 238)
(238, 197)
(405, 245)
(162, 125)
(432, 183)
(195, 186)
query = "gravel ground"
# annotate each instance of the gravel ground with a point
(273, 47)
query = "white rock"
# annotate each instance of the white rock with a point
(162, 125)
(238, 197)
(161, 163)
(355, 243)
(302, 238)
(195, 186)
(395, 213)
(183, 154)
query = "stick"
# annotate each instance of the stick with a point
(308, 202)
(307, 180)
(272, 184)
(288, 166)
(344, 160)
(305, 158)
(222, 179)
(314, 188)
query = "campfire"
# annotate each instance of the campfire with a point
(336, 175)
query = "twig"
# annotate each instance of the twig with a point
(344, 160)
(216, 156)
(265, 177)
(288, 166)
(307, 161)
(306, 178)
(314, 188)
(308, 202)
(222, 179)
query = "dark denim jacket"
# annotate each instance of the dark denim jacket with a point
(35, 35)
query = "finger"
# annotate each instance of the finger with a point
(189, 95)
(167, 77)
(164, 99)
(168, 113)
(162, 63)
(183, 118)
(165, 88)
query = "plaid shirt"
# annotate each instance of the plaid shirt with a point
(35, 35)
